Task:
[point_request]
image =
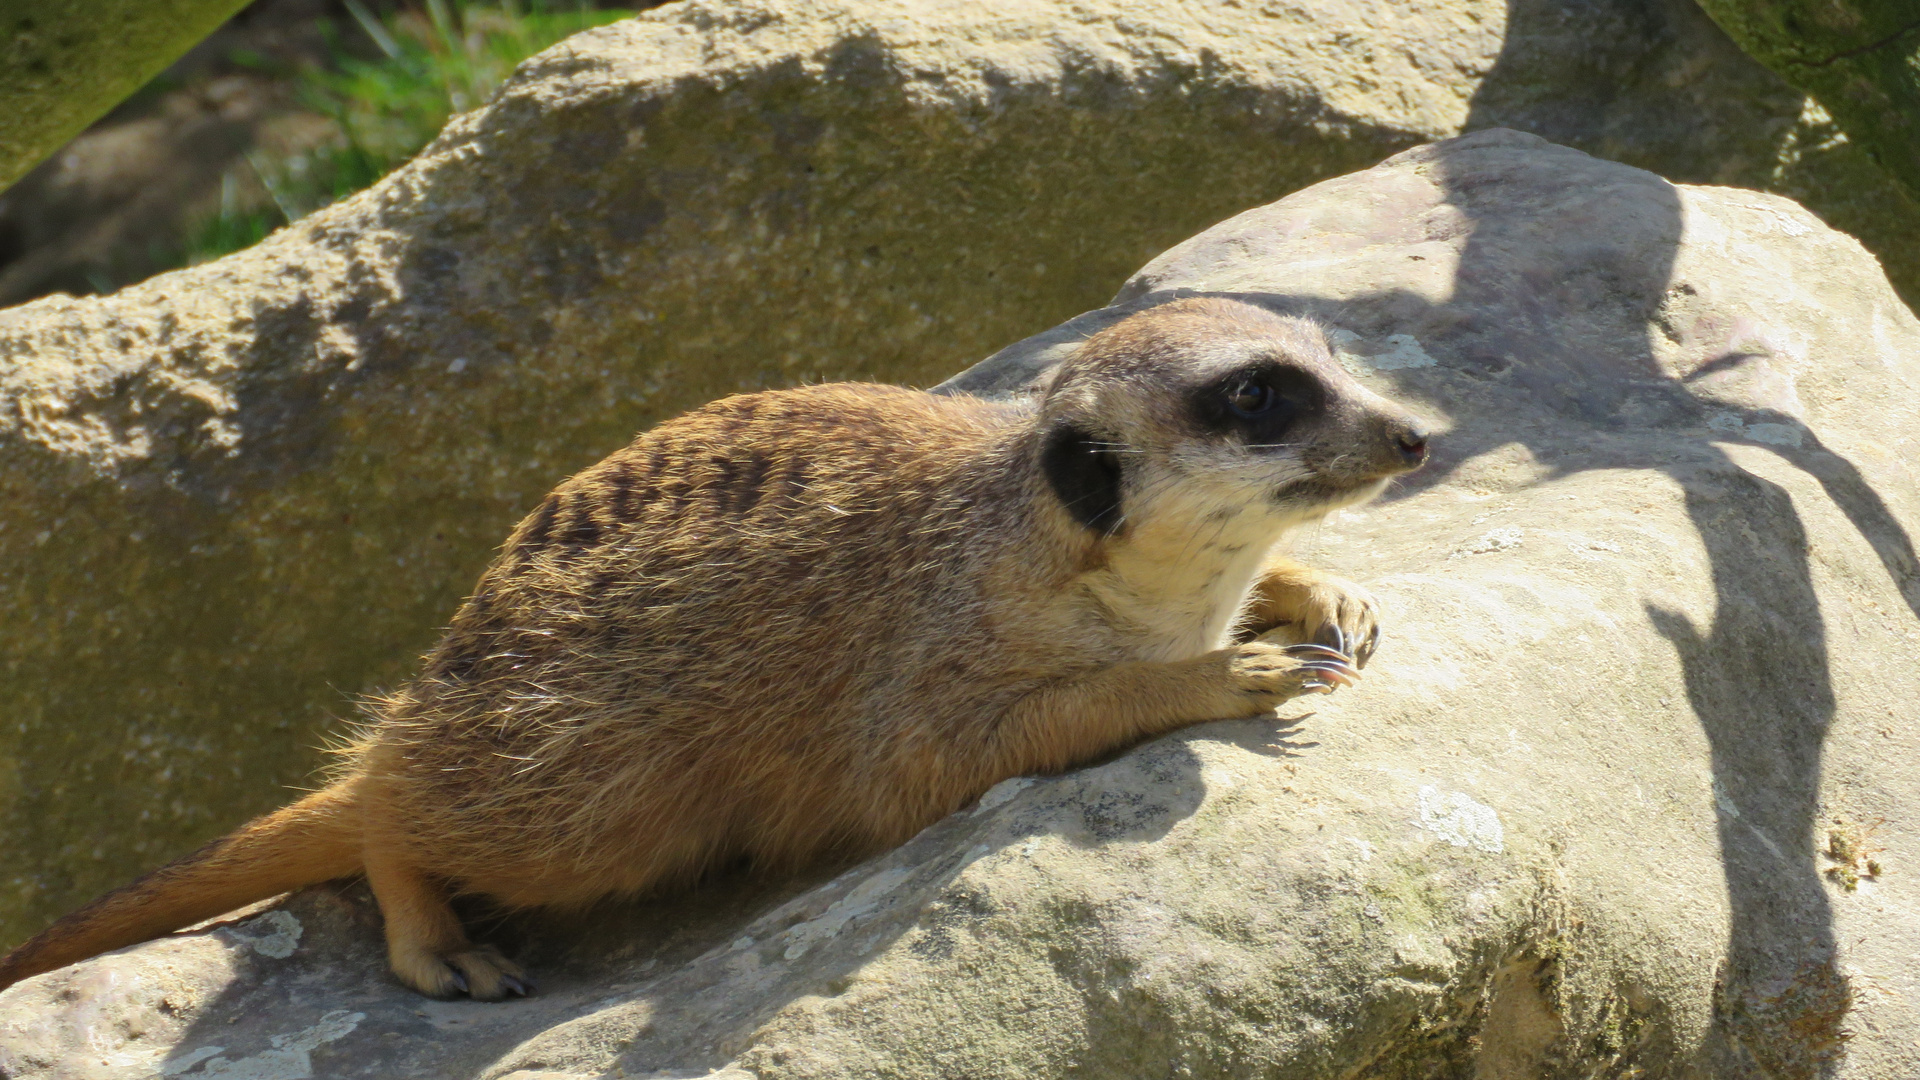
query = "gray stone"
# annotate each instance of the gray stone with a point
(1624, 792)
(235, 497)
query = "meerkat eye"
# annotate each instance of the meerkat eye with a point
(1250, 398)
(1259, 403)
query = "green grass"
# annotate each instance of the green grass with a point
(435, 60)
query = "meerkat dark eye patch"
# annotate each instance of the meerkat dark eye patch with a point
(1259, 403)
(1084, 473)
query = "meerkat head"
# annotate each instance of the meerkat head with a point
(1209, 410)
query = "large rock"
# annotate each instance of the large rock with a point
(1860, 58)
(1624, 794)
(64, 64)
(233, 498)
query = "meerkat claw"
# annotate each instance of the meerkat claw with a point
(1342, 664)
(1340, 673)
(1312, 647)
(519, 987)
(460, 980)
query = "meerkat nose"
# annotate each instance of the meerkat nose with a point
(1410, 438)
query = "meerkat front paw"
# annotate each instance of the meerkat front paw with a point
(1271, 673)
(1297, 604)
(1342, 615)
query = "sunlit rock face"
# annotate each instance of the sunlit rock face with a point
(1620, 795)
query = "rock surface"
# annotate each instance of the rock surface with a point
(232, 498)
(1860, 58)
(64, 64)
(1624, 793)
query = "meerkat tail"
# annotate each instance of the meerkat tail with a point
(313, 840)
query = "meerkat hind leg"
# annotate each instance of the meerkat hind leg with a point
(427, 947)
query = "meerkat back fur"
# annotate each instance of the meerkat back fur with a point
(809, 622)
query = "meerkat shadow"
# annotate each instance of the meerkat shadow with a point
(1571, 331)
(1281, 737)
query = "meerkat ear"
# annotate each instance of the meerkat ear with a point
(1085, 473)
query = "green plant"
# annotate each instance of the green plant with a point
(434, 61)
(234, 226)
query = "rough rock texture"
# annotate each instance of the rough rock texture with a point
(64, 63)
(234, 497)
(1624, 794)
(1860, 58)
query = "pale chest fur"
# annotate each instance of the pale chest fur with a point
(1177, 584)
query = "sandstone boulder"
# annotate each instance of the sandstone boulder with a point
(1625, 793)
(235, 497)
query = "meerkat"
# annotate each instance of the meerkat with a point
(811, 622)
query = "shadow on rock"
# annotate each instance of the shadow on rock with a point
(1580, 301)
(1562, 311)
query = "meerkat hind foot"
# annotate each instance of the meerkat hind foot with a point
(476, 971)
